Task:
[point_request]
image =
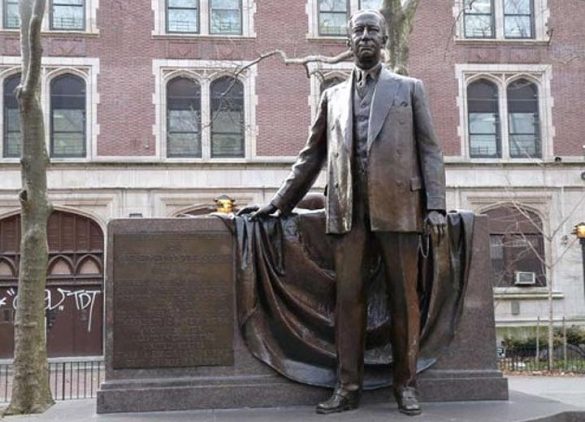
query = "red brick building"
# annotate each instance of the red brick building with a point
(137, 123)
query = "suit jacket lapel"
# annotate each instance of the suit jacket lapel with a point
(347, 114)
(381, 103)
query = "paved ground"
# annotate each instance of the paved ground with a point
(531, 399)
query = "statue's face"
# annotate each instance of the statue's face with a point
(366, 38)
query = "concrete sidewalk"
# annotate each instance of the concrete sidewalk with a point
(542, 399)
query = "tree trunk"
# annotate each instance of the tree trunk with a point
(399, 16)
(31, 392)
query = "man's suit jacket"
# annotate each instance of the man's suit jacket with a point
(405, 170)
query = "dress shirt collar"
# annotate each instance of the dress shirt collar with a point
(374, 73)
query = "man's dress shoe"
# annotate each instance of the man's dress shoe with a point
(340, 401)
(407, 401)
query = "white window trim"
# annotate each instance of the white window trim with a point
(541, 17)
(91, 7)
(501, 75)
(160, 24)
(204, 71)
(86, 68)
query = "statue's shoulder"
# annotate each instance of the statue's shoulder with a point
(406, 80)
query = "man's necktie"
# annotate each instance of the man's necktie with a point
(363, 85)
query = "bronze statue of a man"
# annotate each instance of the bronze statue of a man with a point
(386, 180)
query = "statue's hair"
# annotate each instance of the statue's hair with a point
(375, 12)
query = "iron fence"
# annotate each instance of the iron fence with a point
(69, 380)
(566, 358)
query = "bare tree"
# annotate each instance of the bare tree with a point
(399, 16)
(548, 256)
(31, 392)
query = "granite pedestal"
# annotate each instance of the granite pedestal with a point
(172, 341)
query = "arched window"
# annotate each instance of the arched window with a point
(523, 119)
(11, 136)
(329, 82)
(68, 15)
(484, 119)
(68, 116)
(183, 118)
(517, 247)
(227, 118)
(11, 14)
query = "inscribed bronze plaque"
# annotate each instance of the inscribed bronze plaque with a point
(173, 299)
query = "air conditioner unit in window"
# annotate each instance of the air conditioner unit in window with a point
(523, 278)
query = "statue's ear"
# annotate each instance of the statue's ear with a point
(348, 42)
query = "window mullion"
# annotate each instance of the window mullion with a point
(504, 129)
(204, 17)
(205, 118)
(499, 18)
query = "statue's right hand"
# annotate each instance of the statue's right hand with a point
(255, 212)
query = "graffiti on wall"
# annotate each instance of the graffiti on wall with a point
(55, 300)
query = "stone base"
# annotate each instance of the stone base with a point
(466, 371)
(276, 391)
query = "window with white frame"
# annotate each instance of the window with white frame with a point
(328, 18)
(67, 123)
(68, 15)
(506, 114)
(205, 109)
(225, 17)
(182, 16)
(69, 98)
(62, 15)
(222, 18)
(183, 118)
(502, 19)
(11, 147)
(11, 16)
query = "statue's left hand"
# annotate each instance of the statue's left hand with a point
(437, 222)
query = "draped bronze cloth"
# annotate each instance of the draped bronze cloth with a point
(286, 297)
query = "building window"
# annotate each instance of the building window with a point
(218, 18)
(225, 17)
(518, 19)
(68, 117)
(12, 144)
(506, 111)
(502, 19)
(183, 118)
(333, 16)
(483, 119)
(479, 18)
(516, 247)
(203, 111)
(183, 16)
(371, 4)
(523, 119)
(11, 14)
(227, 118)
(68, 15)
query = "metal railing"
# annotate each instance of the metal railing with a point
(69, 380)
(566, 358)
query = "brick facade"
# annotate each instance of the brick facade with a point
(127, 173)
